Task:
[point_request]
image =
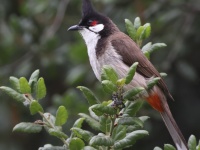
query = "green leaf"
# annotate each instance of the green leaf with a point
(157, 148)
(83, 134)
(48, 118)
(169, 147)
(131, 73)
(137, 23)
(130, 121)
(105, 123)
(152, 82)
(12, 93)
(192, 142)
(61, 116)
(140, 32)
(15, 83)
(89, 95)
(95, 111)
(143, 32)
(107, 103)
(76, 144)
(133, 107)
(121, 82)
(108, 86)
(147, 31)
(35, 107)
(27, 127)
(108, 73)
(24, 86)
(104, 109)
(33, 80)
(147, 54)
(198, 146)
(130, 139)
(92, 122)
(57, 133)
(157, 46)
(93, 114)
(136, 126)
(50, 147)
(130, 29)
(163, 74)
(147, 47)
(41, 89)
(119, 132)
(133, 92)
(78, 123)
(143, 118)
(100, 140)
(89, 148)
(34, 77)
(132, 128)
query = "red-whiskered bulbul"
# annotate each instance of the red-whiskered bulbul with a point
(107, 45)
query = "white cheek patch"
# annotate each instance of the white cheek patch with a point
(97, 28)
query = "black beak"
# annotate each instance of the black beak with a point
(75, 28)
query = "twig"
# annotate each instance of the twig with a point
(50, 31)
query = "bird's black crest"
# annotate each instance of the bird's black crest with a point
(87, 8)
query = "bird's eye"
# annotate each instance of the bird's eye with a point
(93, 23)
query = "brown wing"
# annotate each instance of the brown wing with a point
(130, 53)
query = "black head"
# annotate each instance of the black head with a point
(94, 21)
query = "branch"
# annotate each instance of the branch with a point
(51, 30)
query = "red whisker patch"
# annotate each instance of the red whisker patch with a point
(94, 23)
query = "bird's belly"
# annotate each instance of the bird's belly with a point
(122, 70)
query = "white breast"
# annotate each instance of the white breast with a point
(91, 40)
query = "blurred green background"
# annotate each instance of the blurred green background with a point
(33, 35)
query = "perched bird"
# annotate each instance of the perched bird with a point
(107, 45)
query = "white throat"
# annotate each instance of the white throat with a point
(91, 39)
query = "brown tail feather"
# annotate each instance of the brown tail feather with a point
(158, 101)
(174, 130)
